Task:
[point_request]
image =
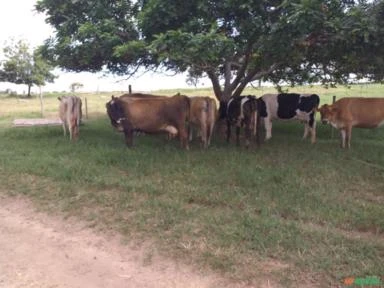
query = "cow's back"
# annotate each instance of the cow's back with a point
(198, 109)
(286, 105)
(362, 112)
(163, 111)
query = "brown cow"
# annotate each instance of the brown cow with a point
(203, 117)
(350, 112)
(150, 115)
(130, 96)
(70, 114)
(202, 114)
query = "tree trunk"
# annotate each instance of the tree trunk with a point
(226, 95)
(29, 90)
(221, 94)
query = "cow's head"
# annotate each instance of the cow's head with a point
(115, 112)
(327, 113)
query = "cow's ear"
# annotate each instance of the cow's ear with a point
(322, 107)
(112, 97)
(59, 98)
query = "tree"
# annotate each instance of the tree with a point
(23, 67)
(74, 86)
(233, 42)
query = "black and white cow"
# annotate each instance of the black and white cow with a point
(241, 111)
(289, 106)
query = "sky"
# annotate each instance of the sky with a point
(18, 20)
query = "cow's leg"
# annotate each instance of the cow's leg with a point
(349, 135)
(75, 132)
(248, 131)
(313, 133)
(268, 128)
(238, 135)
(312, 126)
(204, 134)
(190, 132)
(64, 129)
(306, 130)
(254, 123)
(71, 129)
(211, 122)
(128, 137)
(183, 137)
(209, 132)
(257, 128)
(343, 134)
(228, 130)
(128, 133)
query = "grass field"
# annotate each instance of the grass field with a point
(302, 214)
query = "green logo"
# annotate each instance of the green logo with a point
(367, 281)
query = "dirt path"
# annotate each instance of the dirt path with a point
(37, 250)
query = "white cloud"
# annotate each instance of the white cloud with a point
(19, 20)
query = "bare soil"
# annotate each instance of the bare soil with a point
(40, 250)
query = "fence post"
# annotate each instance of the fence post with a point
(86, 107)
(129, 89)
(41, 102)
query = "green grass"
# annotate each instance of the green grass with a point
(314, 211)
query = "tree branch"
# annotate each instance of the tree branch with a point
(252, 76)
(243, 68)
(262, 73)
(227, 77)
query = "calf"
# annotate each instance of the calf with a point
(203, 117)
(290, 106)
(150, 116)
(70, 114)
(350, 112)
(241, 111)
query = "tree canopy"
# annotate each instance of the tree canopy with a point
(233, 42)
(21, 66)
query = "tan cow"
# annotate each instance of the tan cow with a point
(70, 114)
(202, 117)
(150, 115)
(133, 96)
(350, 112)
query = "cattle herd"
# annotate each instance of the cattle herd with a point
(181, 115)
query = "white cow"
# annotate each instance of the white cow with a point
(70, 114)
(290, 106)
